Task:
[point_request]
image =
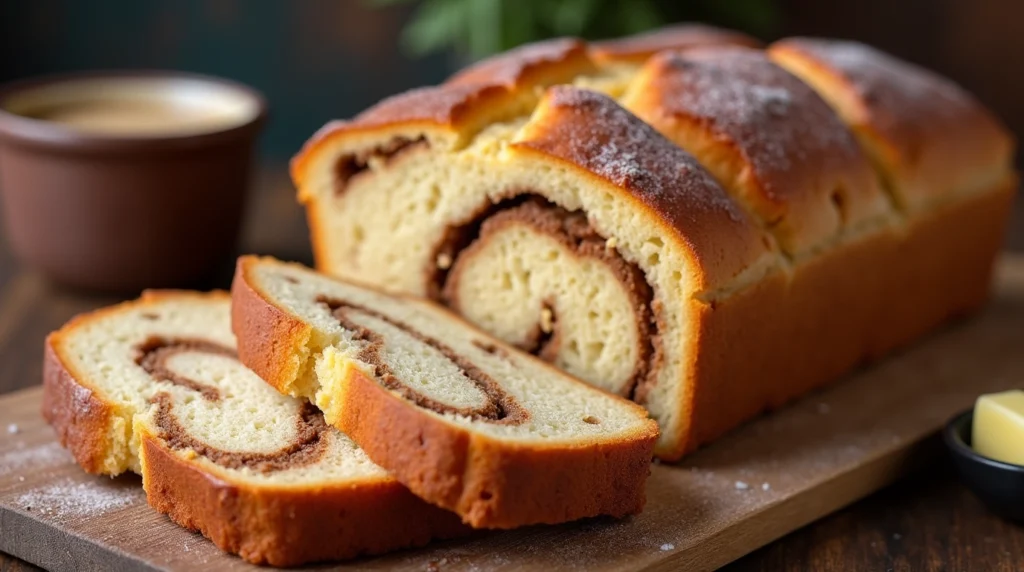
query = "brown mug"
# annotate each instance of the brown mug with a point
(119, 181)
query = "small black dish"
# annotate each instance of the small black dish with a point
(999, 485)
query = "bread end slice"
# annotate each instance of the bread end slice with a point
(153, 386)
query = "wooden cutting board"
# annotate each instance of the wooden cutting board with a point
(769, 478)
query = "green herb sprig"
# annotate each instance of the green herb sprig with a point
(474, 29)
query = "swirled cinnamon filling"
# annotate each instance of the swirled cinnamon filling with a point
(495, 404)
(542, 278)
(153, 354)
(306, 447)
(350, 166)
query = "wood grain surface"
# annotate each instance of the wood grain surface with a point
(928, 521)
(769, 478)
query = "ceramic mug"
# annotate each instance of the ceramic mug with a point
(120, 181)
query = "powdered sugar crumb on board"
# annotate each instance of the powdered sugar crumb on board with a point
(692, 505)
(21, 460)
(67, 498)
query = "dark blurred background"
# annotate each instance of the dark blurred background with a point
(317, 60)
(321, 59)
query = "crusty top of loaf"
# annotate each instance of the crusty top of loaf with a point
(637, 48)
(766, 135)
(495, 89)
(932, 137)
(535, 64)
(443, 113)
(589, 131)
(474, 96)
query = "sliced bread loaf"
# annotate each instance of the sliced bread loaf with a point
(465, 421)
(153, 386)
(716, 212)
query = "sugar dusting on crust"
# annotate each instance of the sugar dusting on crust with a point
(617, 146)
(776, 121)
(69, 499)
(591, 133)
(897, 92)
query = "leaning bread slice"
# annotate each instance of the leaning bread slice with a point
(466, 422)
(153, 386)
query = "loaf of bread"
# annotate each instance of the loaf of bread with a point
(466, 422)
(154, 387)
(713, 232)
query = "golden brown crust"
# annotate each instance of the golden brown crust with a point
(446, 108)
(820, 309)
(270, 342)
(827, 307)
(290, 526)
(933, 139)
(80, 418)
(637, 48)
(721, 393)
(491, 484)
(501, 86)
(909, 284)
(159, 295)
(943, 267)
(591, 133)
(317, 222)
(530, 65)
(767, 137)
(497, 87)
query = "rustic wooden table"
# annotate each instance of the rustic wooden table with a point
(928, 521)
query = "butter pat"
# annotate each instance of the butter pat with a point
(998, 431)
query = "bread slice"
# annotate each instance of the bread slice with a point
(153, 386)
(463, 420)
